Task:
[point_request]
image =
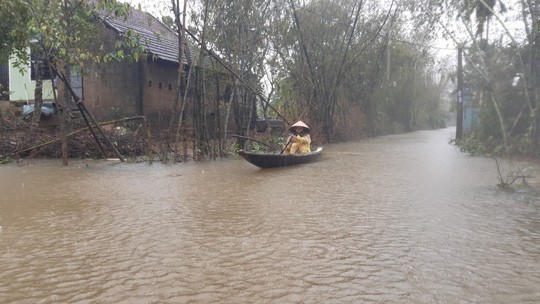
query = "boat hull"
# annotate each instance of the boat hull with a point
(273, 160)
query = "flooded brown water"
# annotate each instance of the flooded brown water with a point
(397, 219)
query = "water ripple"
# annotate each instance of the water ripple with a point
(399, 219)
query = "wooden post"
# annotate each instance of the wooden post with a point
(149, 145)
(459, 107)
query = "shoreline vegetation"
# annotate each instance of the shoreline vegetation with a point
(136, 143)
(134, 139)
(44, 142)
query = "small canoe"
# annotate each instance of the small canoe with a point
(275, 159)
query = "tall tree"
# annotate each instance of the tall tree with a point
(328, 42)
(237, 31)
(178, 23)
(473, 30)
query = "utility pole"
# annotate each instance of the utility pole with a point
(459, 108)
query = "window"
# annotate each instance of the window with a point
(34, 58)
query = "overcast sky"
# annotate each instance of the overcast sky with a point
(155, 7)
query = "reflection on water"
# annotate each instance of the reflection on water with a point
(397, 219)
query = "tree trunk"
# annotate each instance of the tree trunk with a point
(536, 74)
(88, 117)
(63, 115)
(228, 113)
(38, 94)
(181, 82)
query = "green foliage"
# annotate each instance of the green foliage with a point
(392, 86)
(67, 31)
(475, 144)
(523, 145)
(14, 34)
(255, 146)
(236, 147)
(472, 145)
(327, 62)
(237, 29)
(500, 89)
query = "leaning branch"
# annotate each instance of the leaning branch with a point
(71, 134)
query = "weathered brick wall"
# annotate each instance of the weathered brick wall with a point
(119, 89)
(159, 89)
(127, 89)
(112, 90)
(147, 87)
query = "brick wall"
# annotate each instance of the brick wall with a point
(111, 89)
(159, 89)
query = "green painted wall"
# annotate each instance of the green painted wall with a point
(22, 88)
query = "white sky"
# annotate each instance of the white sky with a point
(162, 7)
(155, 7)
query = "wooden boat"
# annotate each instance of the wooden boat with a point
(275, 159)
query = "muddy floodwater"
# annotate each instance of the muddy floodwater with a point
(397, 219)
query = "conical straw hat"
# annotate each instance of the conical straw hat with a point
(300, 124)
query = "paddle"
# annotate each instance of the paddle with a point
(286, 145)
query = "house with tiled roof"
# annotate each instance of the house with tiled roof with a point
(159, 40)
(145, 87)
(148, 86)
(133, 87)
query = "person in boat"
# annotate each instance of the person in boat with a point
(299, 140)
